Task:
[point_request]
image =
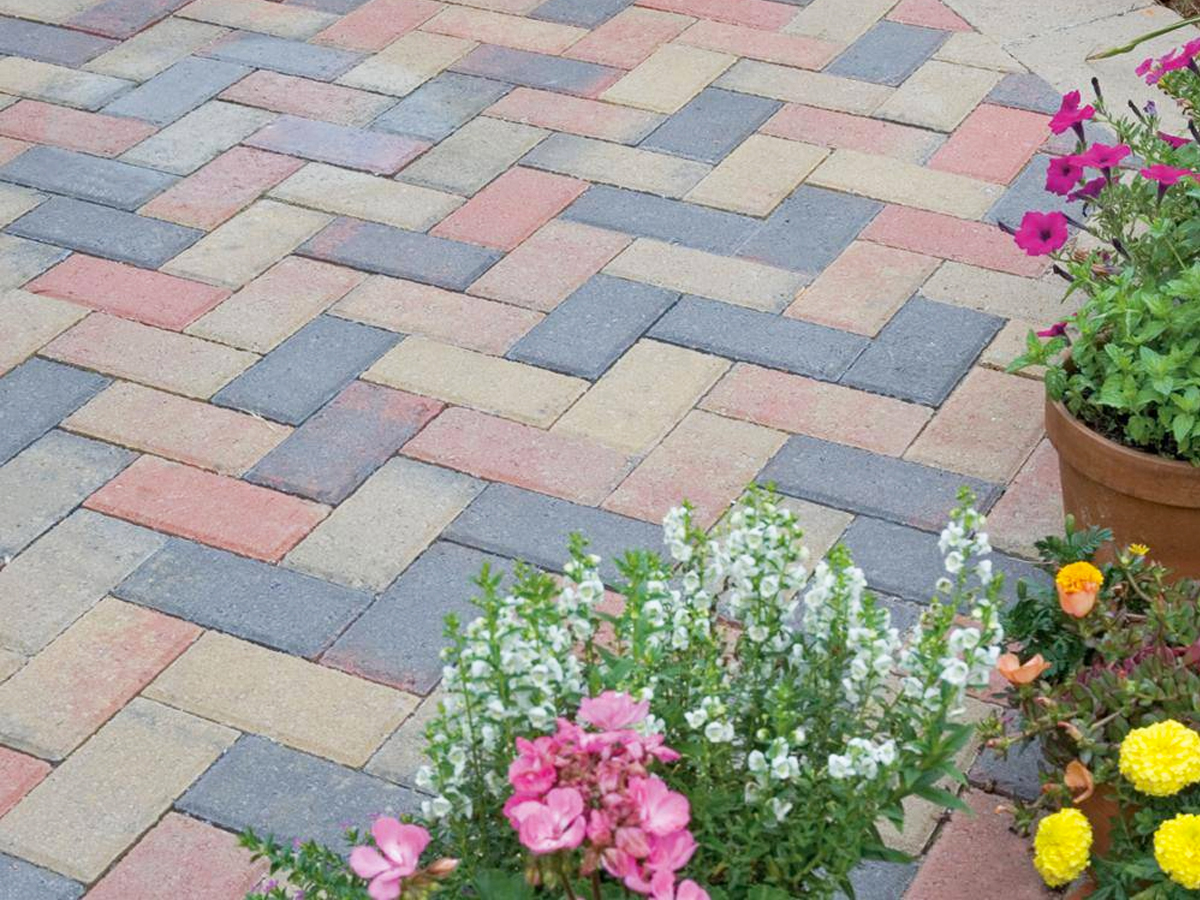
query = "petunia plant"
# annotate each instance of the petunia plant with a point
(1132, 372)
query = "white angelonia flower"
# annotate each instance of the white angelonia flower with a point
(719, 732)
(840, 767)
(780, 808)
(756, 762)
(954, 562)
(955, 672)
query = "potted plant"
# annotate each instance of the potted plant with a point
(1123, 373)
(692, 744)
(1104, 671)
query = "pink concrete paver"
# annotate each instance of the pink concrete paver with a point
(19, 774)
(575, 115)
(377, 23)
(928, 13)
(755, 13)
(511, 208)
(973, 150)
(74, 129)
(629, 37)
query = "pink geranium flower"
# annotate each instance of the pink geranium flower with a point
(1165, 175)
(553, 825)
(400, 848)
(661, 810)
(1175, 141)
(1103, 156)
(612, 711)
(533, 772)
(1041, 233)
(662, 887)
(1062, 174)
(1070, 115)
(672, 852)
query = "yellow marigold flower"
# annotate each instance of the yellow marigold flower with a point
(1177, 849)
(1139, 549)
(1161, 759)
(1062, 847)
(1078, 576)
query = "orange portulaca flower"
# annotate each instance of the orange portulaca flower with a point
(1079, 781)
(1010, 666)
(1078, 586)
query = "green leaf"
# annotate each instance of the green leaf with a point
(1181, 427)
(496, 884)
(942, 798)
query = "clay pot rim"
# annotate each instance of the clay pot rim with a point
(1169, 482)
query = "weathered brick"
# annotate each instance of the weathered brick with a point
(938, 95)
(36, 396)
(10, 662)
(862, 289)
(248, 244)
(538, 70)
(355, 148)
(198, 138)
(20, 773)
(551, 264)
(102, 231)
(762, 14)
(158, 47)
(817, 409)
(47, 480)
(276, 790)
(399, 639)
(276, 304)
(828, 128)
(758, 175)
(286, 21)
(253, 600)
(15, 201)
(377, 23)
(575, 115)
(376, 533)
(969, 48)
(441, 106)
(668, 78)
(299, 96)
(511, 208)
(800, 86)
(510, 389)
(21, 260)
(282, 697)
(505, 31)
(923, 351)
(64, 573)
(754, 43)
(363, 196)
(288, 57)
(751, 336)
(332, 453)
(520, 524)
(123, 18)
(642, 396)
(628, 167)
(588, 13)
(304, 372)
(99, 801)
(1023, 90)
(24, 880)
(707, 460)
(888, 53)
(460, 319)
(199, 434)
(46, 123)
(499, 450)
(30, 321)
(1031, 508)
(407, 63)
(49, 43)
(122, 290)
(627, 38)
(834, 21)
(136, 352)
(973, 150)
(177, 854)
(810, 229)
(474, 155)
(177, 90)
(57, 84)
(86, 675)
(213, 509)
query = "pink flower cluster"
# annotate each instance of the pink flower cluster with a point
(392, 864)
(1179, 58)
(592, 789)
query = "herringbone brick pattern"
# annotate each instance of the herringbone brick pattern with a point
(311, 307)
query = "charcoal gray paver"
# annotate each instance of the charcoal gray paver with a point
(254, 600)
(906, 562)
(279, 791)
(265, 51)
(674, 221)
(441, 106)
(21, 880)
(175, 92)
(1022, 90)
(103, 231)
(888, 53)
(304, 373)
(333, 452)
(592, 328)
(1017, 775)
(878, 880)
(339, 145)
(584, 13)
(520, 524)
(711, 125)
(923, 352)
(49, 43)
(36, 396)
(758, 337)
(869, 483)
(537, 70)
(404, 254)
(399, 639)
(124, 18)
(1028, 191)
(86, 177)
(810, 229)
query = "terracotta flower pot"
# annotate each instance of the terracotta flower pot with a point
(1143, 498)
(1104, 814)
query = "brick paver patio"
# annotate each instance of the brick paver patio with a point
(313, 306)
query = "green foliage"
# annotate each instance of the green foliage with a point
(319, 871)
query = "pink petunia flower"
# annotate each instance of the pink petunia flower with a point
(1062, 174)
(1103, 156)
(400, 849)
(1166, 175)
(553, 825)
(1041, 233)
(1175, 141)
(1058, 329)
(612, 711)
(1090, 190)
(1070, 115)
(661, 810)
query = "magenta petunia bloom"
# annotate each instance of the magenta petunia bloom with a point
(1090, 190)
(1144, 66)
(400, 849)
(1070, 115)
(1103, 156)
(1175, 141)
(1062, 174)
(1058, 329)
(1165, 175)
(1041, 233)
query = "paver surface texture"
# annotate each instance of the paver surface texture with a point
(310, 307)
